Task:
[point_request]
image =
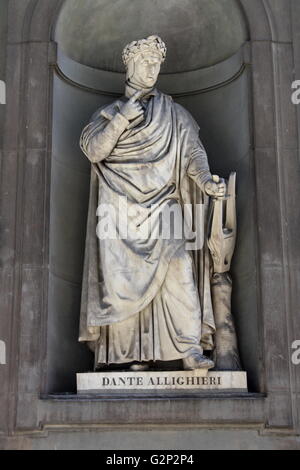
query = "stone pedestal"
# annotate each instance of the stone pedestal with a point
(196, 380)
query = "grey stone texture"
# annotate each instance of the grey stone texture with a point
(217, 23)
(157, 438)
(40, 275)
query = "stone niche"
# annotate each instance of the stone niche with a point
(207, 72)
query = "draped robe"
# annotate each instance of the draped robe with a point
(145, 297)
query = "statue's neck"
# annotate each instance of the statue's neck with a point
(131, 89)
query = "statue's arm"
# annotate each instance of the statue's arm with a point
(198, 168)
(101, 136)
(99, 139)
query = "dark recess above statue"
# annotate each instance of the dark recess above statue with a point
(199, 33)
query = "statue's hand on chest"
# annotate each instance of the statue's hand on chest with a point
(133, 109)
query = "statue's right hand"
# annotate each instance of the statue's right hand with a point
(216, 187)
(132, 109)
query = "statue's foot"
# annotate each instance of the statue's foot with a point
(197, 361)
(139, 367)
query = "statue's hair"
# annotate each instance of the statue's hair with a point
(150, 44)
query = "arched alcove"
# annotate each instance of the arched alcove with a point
(199, 33)
(205, 72)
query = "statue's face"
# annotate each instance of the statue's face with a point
(146, 70)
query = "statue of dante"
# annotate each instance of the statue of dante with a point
(143, 298)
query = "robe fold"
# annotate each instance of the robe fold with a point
(144, 295)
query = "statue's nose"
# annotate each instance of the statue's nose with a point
(152, 71)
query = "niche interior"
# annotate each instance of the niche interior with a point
(205, 71)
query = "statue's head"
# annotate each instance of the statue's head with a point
(143, 59)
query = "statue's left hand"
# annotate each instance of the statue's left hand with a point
(216, 187)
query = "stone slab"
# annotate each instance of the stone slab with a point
(94, 382)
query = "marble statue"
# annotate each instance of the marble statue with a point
(146, 298)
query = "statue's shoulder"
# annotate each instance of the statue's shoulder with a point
(184, 115)
(183, 112)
